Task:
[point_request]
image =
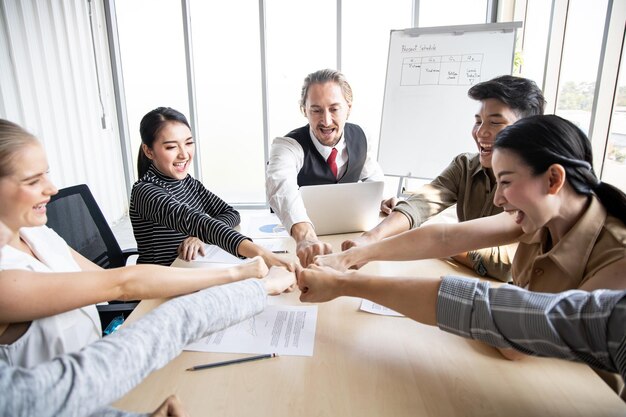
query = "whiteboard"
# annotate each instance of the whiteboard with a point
(427, 116)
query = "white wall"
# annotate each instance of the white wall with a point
(48, 84)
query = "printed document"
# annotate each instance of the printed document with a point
(371, 307)
(215, 254)
(285, 330)
(264, 226)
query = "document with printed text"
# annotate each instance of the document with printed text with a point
(285, 330)
(371, 307)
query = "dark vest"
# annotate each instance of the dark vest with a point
(315, 170)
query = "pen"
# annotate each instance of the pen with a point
(224, 363)
(280, 251)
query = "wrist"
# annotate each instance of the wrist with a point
(234, 274)
(342, 284)
(354, 256)
(249, 249)
(303, 232)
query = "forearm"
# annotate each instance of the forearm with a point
(79, 384)
(573, 325)
(416, 298)
(154, 205)
(249, 249)
(219, 209)
(25, 294)
(395, 223)
(434, 241)
(438, 240)
(139, 282)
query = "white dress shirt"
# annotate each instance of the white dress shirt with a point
(281, 181)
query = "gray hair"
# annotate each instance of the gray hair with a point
(321, 77)
(13, 138)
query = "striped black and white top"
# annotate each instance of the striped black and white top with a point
(575, 325)
(165, 211)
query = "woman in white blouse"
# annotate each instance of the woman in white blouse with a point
(54, 314)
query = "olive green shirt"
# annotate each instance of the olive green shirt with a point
(467, 184)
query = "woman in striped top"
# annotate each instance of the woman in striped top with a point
(52, 312)
(173, 213)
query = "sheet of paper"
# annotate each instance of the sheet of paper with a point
(273, 245)
(285, 330)
(215, 254)
(264, 226)
(371, 307)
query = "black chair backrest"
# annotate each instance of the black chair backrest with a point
(74, 214)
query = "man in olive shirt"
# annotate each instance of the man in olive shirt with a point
(468, 181)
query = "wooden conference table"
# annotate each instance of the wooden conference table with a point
(369, 365)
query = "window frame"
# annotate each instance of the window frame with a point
(601, 113)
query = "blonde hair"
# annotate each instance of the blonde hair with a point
(13, 138)
(321, 77)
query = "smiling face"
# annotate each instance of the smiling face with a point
(26, 191)
(492, 116)
(327, 111)
(172, 150)
(521, 193)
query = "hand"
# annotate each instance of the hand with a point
(272, 259)
(308, 249)
(364, 239)
(386, 206)
(171, 407)
(189, 248)
(336, 261)
(279, 280)
(256, 268)
(318, 284)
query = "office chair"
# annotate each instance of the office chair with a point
(74, 214)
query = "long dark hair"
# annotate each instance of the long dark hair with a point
(149, 128)
(541, 141)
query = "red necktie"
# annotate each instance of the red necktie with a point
(331, 161)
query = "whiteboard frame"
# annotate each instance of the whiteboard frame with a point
(456, 30)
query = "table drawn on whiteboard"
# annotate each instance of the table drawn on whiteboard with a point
(462, 69)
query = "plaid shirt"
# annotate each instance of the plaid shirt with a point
(575, 325)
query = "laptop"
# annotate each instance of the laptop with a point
(343, 208)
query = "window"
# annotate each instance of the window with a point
(580, 59)
(153, 60)
(452, 12)
(227, 72)
(301, 38)
(531, 51)
(614, 167)
(366, 30)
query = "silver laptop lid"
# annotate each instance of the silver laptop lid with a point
(343, 208)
